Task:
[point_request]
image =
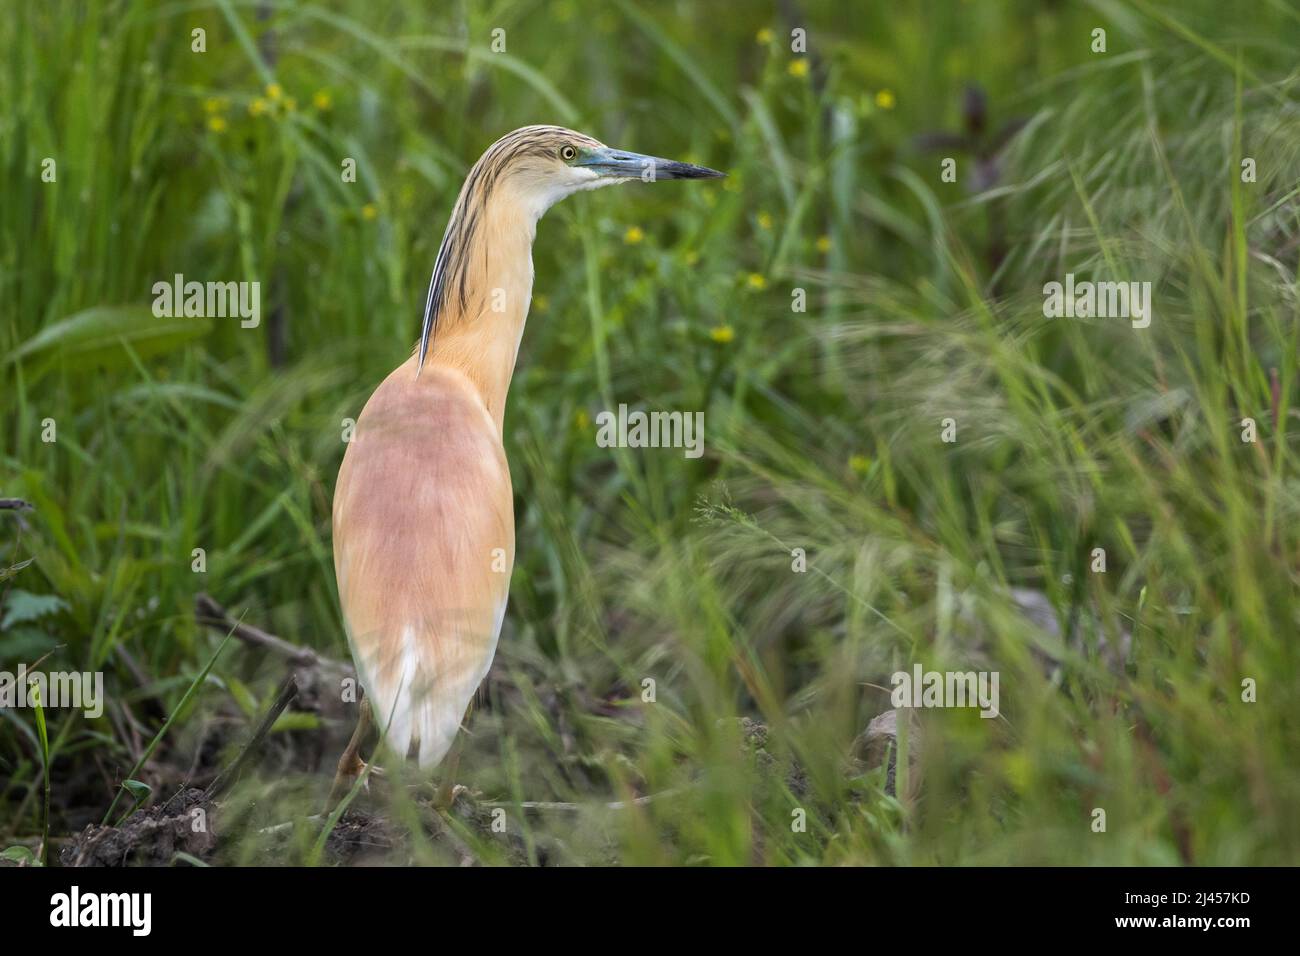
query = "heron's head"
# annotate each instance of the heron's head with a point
(541, 165)
(527, 172)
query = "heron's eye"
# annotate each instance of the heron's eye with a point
(568, 153)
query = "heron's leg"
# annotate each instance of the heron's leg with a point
(351, 765)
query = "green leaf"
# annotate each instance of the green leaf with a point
(23, 606)
(21, 855)
(137, 789)
(296, 721)
(35, 697)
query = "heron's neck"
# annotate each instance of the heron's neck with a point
(481, 338)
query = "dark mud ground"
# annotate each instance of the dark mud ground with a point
(184, 829)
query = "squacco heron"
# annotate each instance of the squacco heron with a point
(424, 532)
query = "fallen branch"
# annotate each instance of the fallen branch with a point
(15, 504)
(211, 614)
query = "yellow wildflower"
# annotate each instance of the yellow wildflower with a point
(798, 67)
(722, 334)
(633, 235)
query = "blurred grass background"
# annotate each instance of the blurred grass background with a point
(823, 427)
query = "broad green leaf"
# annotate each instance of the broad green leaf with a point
(23, 606)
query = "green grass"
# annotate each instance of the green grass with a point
(823, 427)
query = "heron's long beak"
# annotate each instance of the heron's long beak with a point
(618, 164)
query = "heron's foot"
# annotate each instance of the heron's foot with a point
(369, 771)
(445, 794)
(346, 777)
